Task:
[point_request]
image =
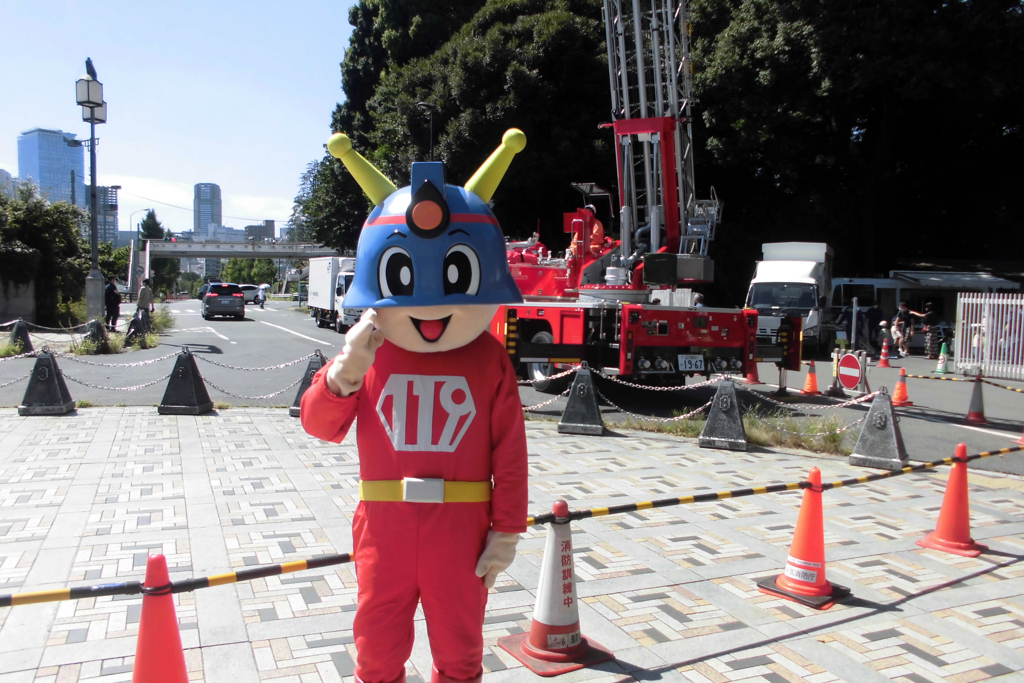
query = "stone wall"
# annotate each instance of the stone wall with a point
(18, 301)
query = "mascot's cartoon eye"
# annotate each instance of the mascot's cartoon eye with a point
(461, 271)
(394, 274)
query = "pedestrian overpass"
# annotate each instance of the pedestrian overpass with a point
(253, 250)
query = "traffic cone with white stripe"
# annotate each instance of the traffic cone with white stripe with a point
(803, 580)
(555, 644)
(752, 377)
(158, 654)
(883, 360)
(942, 367)
(953, 531)
(899, 395)
(976, 411)
(811, 383)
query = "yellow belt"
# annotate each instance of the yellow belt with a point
(425, 491)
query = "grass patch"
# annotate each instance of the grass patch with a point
(85, 403)
(9, 348)
(221, 405)
(87, 347)
(162, 320)
(146, 341)
(803, 436)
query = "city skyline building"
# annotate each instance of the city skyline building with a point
(260, 232)
(206, 208)
(106, 214)
(55, 161)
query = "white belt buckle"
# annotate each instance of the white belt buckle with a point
(422, 490)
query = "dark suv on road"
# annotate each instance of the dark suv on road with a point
(224, 298)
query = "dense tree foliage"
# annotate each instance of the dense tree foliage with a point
(249, 271)
(40, 241)
(165, 270)
(112, 261)
(889, 130)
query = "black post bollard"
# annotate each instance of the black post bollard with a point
(47, 394)
(724, 426)
(19, 336)
(186, 392)
(582, 414)
(880, 443)
(315, 363)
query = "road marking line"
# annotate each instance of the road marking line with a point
(318, 341)
(953, 424)
(216, 332)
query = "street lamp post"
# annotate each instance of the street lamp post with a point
(89, 94)
(430, 109)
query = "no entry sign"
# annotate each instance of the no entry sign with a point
(849, 371)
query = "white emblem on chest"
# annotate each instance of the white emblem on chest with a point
(415, 396)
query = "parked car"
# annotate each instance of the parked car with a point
(224, 298)
(251, 292)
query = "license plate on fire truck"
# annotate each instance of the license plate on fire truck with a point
(690, 362)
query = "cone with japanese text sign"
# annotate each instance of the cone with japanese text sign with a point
(803, 580)
(554, 644)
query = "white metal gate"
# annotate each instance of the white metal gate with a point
(990, 335)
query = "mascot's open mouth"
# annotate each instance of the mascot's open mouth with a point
(431, 330)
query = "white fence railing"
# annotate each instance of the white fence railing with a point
(990, 335)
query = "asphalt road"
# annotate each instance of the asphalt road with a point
(280, 333)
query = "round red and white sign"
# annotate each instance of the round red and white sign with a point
(849, 371)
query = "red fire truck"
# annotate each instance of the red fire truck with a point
(624, 305)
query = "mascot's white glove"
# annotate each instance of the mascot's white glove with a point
(497, 556)
(351, 365)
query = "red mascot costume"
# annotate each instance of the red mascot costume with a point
(442, 445)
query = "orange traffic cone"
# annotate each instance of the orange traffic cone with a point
(953, 532)
(883, 360)
(803, 580)
(555, 644)
(158, 654)
(976, 411)
(811, 383)
(899, 396)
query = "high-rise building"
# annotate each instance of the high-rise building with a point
(106, 214)
(206, 208)
(259, 232)
(55, 161)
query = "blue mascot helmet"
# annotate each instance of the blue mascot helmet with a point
(430, 244)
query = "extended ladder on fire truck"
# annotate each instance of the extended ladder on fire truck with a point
(651, 78)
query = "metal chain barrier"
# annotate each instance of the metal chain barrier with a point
(528, 382)
(97, 386)
(235, 367)
(677, 418)
(815, 406)
(548, 402)
(678, 387)
(56, 329)
(188, 585)
(15, 381)
(138, 364)
(27, 354)
(253, 398)
(777, 428)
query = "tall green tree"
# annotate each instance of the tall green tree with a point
(39, 242)
(249, 271)
(165, 270)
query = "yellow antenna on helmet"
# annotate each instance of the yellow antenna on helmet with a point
(374, 184)
(487, 178)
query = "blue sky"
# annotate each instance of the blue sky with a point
(235, 93)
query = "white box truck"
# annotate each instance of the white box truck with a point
(795, 278)
(329, 279)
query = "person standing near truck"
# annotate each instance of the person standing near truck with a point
(903, 328)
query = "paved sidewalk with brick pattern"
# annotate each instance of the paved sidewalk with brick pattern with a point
(85, 498)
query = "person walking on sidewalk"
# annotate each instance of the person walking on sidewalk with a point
(145, 304)
(112, 302)
(263, 296)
